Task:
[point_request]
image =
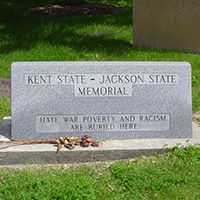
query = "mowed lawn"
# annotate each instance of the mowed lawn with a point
(76, 38)
(174, 175)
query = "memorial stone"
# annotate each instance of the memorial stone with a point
(107, 100)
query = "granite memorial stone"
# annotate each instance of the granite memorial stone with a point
(170, 24)
(108, 100)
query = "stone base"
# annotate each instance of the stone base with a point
(13, 155)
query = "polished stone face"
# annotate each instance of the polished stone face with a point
(107, 100)
(167, 24)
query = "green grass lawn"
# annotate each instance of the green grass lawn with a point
(5, 109)
(83, 38)
(174, 175)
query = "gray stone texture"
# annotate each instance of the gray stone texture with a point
(170, 24)
(31, 101)
(5, 128)
(12, 155)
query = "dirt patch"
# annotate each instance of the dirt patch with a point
(63, 9)
(5, 89)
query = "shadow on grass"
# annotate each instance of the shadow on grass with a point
(21, 32)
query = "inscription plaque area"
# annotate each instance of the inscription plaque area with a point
(108, 100)
(128, 122)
